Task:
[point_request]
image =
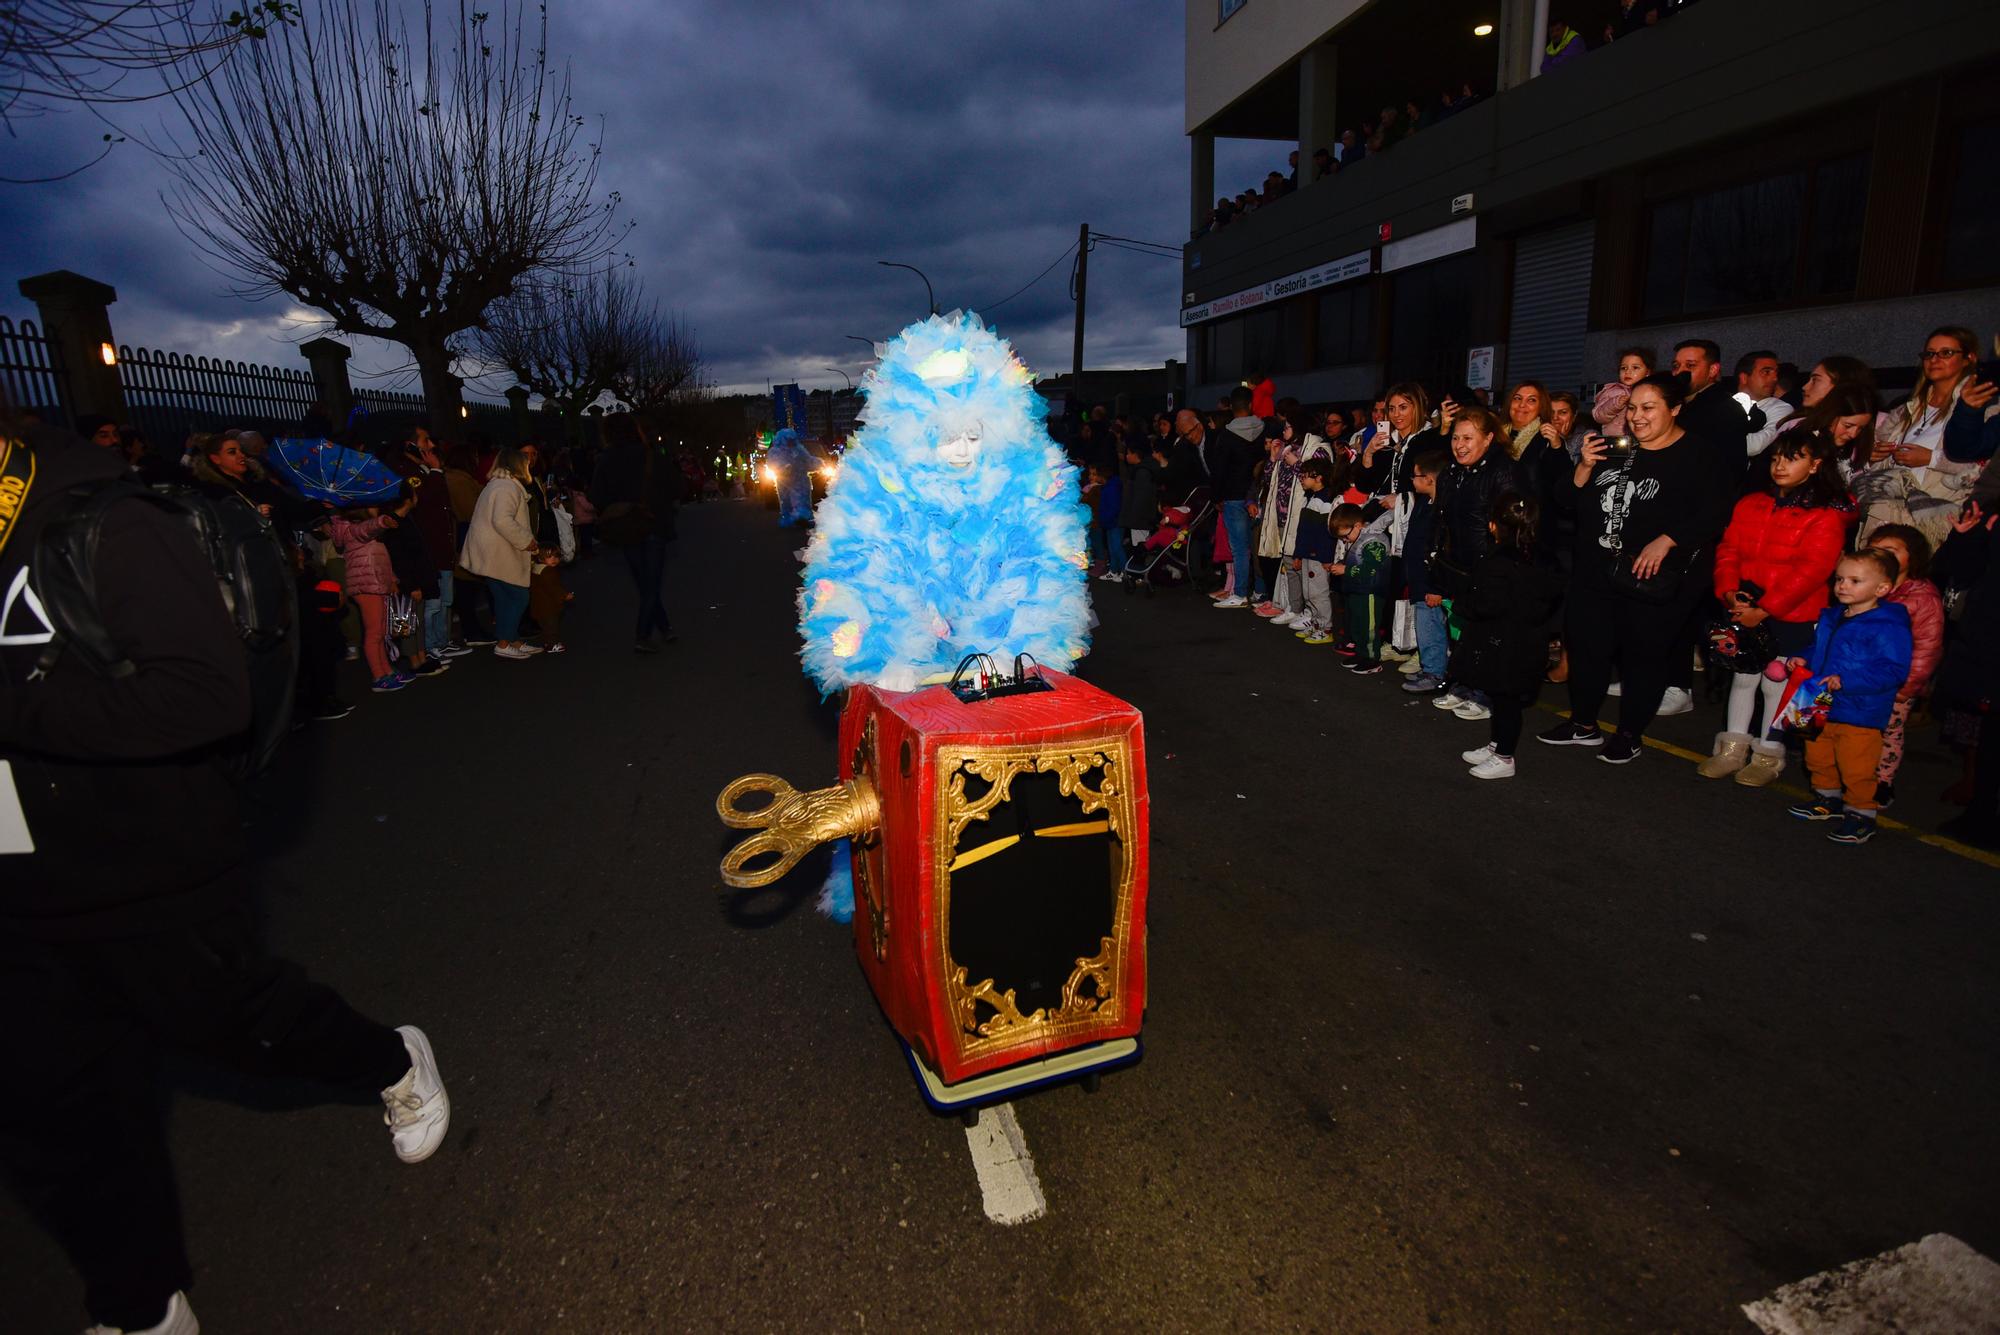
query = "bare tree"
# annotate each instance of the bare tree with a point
(566, 339)
(664, 370)
(399, 185)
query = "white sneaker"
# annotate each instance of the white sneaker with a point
(1473, 711)
(1676, 701)
(1232, 601)
(1285, 619)
(179, 1320)
(528, 650)
(1494, 767)
(418, 1110)
(511, 651)
(1615, 688)
(1477, 754)
(1449, 700)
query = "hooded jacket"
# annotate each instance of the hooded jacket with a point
(135, 824)
(1870, 653)
(1232, 456)
(1367, 558)
(1919, 597)
(359, 542)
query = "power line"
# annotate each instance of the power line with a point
(1151, 245)
(1136, 250)
(995, 305)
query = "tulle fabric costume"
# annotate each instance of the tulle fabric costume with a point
(955, 526)
(792, 463)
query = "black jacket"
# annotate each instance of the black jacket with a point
(1506, 621)
(620, 478)
(1459, 540)
(1717, 423)
(135, 824)
(1232, 460)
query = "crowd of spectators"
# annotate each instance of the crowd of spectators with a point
(466, 554)
(1823, 557)
(1395, 123)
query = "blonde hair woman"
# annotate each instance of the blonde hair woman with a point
(500, 548)
(1910, 481)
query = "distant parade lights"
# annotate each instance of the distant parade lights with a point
(1483, 30)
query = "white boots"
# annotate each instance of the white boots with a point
(1732, 753)
(1752, 762)
(1767, 762)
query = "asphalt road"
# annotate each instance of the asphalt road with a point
(1592, 1049)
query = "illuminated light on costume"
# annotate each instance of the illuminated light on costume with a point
(992, 822)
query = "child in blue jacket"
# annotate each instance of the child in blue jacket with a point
(1861, 655)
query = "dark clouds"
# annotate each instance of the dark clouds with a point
(769, 154)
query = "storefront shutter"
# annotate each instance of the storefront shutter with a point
(1551, 306)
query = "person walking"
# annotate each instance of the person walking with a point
(128, 928)
(633, 492)
(500, 548)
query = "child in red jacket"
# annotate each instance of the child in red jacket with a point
(1771, 572)
(1919, 597)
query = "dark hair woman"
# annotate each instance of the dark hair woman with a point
(1647, 521)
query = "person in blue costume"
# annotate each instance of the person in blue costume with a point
(791, 465)
(955, 526)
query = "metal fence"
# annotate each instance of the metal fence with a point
(169, 396)
(31, 371)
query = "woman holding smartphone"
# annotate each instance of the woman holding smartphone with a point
(1648, 514)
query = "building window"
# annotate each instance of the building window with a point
(1347, 324)
(1971, 250)
(1759, 243)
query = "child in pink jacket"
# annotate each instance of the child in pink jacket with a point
(1608, 410)
(1919, 597)
(370, 582)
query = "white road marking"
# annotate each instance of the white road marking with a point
(1937, 1285)
(1006, 1169)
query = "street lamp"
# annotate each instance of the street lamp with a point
(844, 376)
(891, 264)
(858, 339)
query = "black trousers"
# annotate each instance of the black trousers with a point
(647, 562)
(1605, 629)
(83, 1135)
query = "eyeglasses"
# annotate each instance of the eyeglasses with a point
(1939, 354)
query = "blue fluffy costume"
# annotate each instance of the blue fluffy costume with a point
(954, 527)
(791, 464)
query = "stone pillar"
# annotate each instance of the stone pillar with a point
(1201, 179)
(328, 360)
(1520, 43)
(77, 323)
(1318, 126)
(517, 409)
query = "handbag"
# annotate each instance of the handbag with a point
(1664, 584)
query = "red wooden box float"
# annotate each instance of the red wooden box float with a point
(1000, 873)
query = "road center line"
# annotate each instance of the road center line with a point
(1936, 1285)
(1006, 1170)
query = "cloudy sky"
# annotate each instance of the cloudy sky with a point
(769, 154)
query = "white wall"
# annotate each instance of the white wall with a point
(1265, 35)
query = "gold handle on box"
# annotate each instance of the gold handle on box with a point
(791, 824)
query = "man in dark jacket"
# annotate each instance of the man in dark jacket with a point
(1711, 416)
(114, 946)
(1231, 456)
(634, 490)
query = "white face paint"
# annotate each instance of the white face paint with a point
(961, 450)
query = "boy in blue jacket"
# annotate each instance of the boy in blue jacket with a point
(1861, 654)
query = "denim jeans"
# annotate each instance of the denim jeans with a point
(1114, 547)
(510, 601)
(1236, 523)
(437, 616)
(1433, 641)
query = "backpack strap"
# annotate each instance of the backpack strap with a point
(65, 564)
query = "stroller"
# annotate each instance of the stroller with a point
(1178, 560)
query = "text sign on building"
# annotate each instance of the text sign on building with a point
(1479, 368)
(1432, 245)
(1357, 265)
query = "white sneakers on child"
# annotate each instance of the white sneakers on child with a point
(1286, 619)
(417, 1110)
(1232, 601)
(179, 1320)
(1494, 767)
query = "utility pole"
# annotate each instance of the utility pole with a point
(1082, 285)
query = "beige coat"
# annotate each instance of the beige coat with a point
(499, 542)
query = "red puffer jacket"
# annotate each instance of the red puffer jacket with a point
(1919, 597)
(1786, 548)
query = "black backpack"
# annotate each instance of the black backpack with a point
(251, 572)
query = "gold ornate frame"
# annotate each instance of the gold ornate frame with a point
(1072, 763)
